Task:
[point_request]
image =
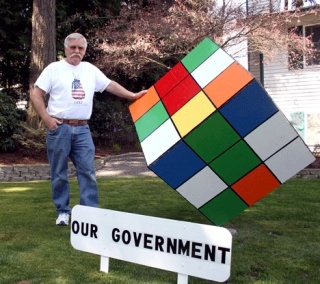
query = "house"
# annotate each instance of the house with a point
(295, 86)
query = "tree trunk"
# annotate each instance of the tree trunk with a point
(43, 47)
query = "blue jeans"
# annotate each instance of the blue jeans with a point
(74, 142)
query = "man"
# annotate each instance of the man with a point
(71, 84)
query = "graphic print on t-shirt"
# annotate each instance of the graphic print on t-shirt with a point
(77, 90)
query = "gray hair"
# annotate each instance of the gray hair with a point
(75, 36)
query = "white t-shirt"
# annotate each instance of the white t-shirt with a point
(71, 88)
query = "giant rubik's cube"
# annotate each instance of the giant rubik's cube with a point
(210, 131)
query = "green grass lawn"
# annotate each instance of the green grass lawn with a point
(278, 240)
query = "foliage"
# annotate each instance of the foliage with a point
(316, 150)
(136, 41)
(15, 39)
(15, 33)
(149, 37)
(142, 39)
(116, 147)
(110, 121)
(31, 140)
(83, 17)
(277, 240)
(10, 118)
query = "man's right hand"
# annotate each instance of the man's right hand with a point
(52, 123)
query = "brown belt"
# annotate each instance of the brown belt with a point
(73, 122)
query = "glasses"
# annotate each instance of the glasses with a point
(74, 47)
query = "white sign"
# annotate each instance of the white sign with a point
(198, 250)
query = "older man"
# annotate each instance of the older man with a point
(71, 84)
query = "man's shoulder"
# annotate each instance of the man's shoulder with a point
(88, 64)
(89, 67)
(55, 64)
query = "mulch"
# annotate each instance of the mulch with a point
(40, 157)
(29, 157)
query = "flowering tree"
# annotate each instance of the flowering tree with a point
(150, 36)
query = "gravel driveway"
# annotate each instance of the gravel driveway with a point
(125, 165)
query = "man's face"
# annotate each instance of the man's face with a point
(75, 51)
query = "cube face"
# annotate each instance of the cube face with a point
(236, 77)
(171, 80)
(151, 120)
(209, 144)
(235, 163)
(192, 113)
(211, 132)
(199, 54)
(249, 108)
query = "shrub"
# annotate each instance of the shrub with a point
(31, 140)
(10, 119)
(111, 122)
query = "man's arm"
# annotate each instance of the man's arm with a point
(37, 99)
(117, 90)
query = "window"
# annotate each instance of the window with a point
(298, 60)
(296, 4)
(314, 33)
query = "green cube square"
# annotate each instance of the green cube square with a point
(199, 54)
(224, 207)
(235, 163)
(212, 137)
(151, 120)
